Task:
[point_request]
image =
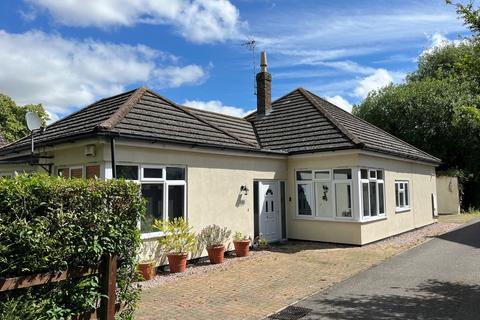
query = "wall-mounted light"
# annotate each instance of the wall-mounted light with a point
(244, 190)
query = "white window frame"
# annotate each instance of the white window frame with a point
(332, 183)
(407, 206)
(379, 215)
(312, 195)
(166, 183)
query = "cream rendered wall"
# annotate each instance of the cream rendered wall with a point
(64, 155)
(213, 185)
(309, 229)
(448, 195)
(11, 169)
(73, 155)
(422, 185)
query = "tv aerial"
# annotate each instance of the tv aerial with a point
(251, 44)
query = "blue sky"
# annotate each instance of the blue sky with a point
(66, 54)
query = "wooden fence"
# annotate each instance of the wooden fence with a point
(107, 269)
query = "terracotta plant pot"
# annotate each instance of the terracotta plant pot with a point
(215, 254)
(242, 247)
(147, 270)
(177, 262)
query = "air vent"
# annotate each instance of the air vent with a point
(291, 313)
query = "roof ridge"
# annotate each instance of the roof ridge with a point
(274, 101)
(332, 119)
(213, 112)
(123, 110)
(370, 124)
(191, 113)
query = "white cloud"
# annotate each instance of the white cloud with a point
(60, 73)
(174, 76)
(196, 20)
(379, 79)
(341, 102)
(438, 40)
(216, 106)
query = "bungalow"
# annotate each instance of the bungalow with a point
(297, 168)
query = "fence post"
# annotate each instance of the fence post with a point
(109, 277)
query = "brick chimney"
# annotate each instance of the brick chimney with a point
(264, 87)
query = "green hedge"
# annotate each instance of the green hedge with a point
(51, 223)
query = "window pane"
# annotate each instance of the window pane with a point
(176, 202)
(397, 202)
(407, 203)
(153, 193)
(304, 192)
(364, 173)
(373, 199)
(366, 207)
(342, 174)
(175, 173)
(343, 200)
(127, 172)
(323, 199)
(381, 202)
(401, 198)
(322, 175)
(153, 173)
(304, 175)
(373, 174)
(64, 172)
(76, 173)
(379, 174)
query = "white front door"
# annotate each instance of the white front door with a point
(269, 202)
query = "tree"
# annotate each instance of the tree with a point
(12, 118)
(437, 109)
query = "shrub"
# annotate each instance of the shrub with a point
(238, 236)
(52, 224)
(213, 235)
(178, 236)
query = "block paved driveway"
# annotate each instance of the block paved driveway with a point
(437, 280)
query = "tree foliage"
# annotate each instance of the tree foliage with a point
(437, 108)
(12, 118)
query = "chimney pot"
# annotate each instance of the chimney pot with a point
(264, 87)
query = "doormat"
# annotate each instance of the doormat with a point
(290, 313)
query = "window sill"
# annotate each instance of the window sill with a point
(340, 219)
(402, 210)
(349, 220)
(377, 218)
(151, 235)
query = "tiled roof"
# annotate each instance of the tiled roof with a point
(143, 114)
(294, 124)
(299, 122)
(80, 123)
(372, 137)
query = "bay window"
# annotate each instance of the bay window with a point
(164, 189)
(402, 197)
(373, 193)
(324, 193)
(340, 194)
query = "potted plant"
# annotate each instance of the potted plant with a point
(213, 238)
(147, 269)
(241, 244)
(260, 243)
(177, 242)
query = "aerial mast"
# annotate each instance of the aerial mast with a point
(251, 44)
